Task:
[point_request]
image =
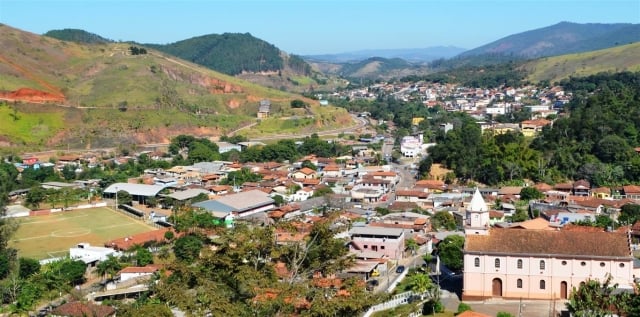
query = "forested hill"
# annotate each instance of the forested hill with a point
(561, 38)
(230, 53)
(78, 36)
(594, 140)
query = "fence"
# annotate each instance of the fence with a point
(397, 300)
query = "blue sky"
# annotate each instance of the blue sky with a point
(314, 26)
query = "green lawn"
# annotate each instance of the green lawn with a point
(42, 237)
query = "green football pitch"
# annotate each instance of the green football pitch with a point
(41, 237)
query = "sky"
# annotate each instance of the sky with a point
(307, 27)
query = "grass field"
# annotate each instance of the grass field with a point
(42, 237)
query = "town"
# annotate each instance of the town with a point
(388, 222)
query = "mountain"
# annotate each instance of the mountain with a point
(561, 38)
(247, 57)
(372, 68)
(415, 55)
(64, 94)
(556, 68)
(78, 36)
(229, 53)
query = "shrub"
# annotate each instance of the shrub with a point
(463, 307)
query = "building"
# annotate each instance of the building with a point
(477, 216)
(386, 241)
(264, 109)
(542, 264)
(90, 254)
(242, 204)
(411, 146)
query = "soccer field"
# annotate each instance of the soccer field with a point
(41, 237)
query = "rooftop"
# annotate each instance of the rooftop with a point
(550, 242)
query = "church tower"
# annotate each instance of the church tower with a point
(477, 216)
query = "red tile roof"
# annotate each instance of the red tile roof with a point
(509, 241)
(139, 239)
(80, 309)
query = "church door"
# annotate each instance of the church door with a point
(563, 290)
(496, 287)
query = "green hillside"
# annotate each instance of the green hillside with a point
(553, 69)
(112, 97)
(221, 52)
(78, 36)
(561, 38)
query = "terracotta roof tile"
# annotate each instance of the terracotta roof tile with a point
(501, 241)
(80, 309)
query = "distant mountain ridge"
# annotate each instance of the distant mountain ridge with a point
(410, 54)
(561, 38)
(78, 36)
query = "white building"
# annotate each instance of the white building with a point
(411, 146)
(90, 254)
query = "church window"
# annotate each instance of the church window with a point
(519, 263)
(497, 263)
(476, 262)
(519, 283)
(542, 264)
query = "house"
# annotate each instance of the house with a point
(542, 264)
(332, 171)
(581, 188)
(303, 194)
(133, 272)
(241, 204)
(530, 128)
(418, 197)
(226, 147)
(631, 191)
(264, 109)
(387, 241)
(304, 173)
(431, 185)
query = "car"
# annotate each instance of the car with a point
(400, 269)
(371, 284)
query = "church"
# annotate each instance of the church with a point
(537, 264)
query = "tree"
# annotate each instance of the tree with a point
(187, 248)
(35, 196)
(69, 172)
(425, 167)
(109, 267)
(450, 251)
(420, 283)
(72, 271)
(297, 103)
(629, 214)
(28, 267)
(530, 193)
(443, 219)
(124, 198)
(143, 256)
(595, 298)
(411, 245)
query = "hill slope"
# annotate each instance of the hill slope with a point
(615, 59)
(78, 36)
(102, 95)
(561, 38)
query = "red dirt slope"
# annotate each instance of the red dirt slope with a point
(31, 95)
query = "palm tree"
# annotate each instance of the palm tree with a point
(110, 267)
